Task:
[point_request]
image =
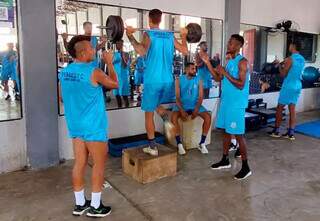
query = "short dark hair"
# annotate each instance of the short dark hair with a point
(239, 38)
(188, 64)
(78, 38)
(86, 23)
(155, 16)
(297, 44)
(202, 43)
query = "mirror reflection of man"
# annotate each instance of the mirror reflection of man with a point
(7, 69)
(121, 62)
(87, 28)
(138, 75)
(203, 70)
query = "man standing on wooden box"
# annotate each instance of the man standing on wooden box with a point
(158, 47)
(189, 97)
(234, 100)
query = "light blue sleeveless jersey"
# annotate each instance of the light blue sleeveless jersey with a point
(189, 91)
(84, 104)
(230, 94)
(205, 75)
(293, 79)
(159, 58)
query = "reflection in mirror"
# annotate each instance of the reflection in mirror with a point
(266, 47)
(263, 48)
(129, 66)
(10, 88)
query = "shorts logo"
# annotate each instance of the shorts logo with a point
(233, 125)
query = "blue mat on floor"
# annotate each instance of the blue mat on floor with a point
(311, 129)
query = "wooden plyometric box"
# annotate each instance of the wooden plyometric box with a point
(146, 168)
(190, 132)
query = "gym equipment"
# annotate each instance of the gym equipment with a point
(115, 30)
(310, 129)
(145, 168)
(117, 145)
(310, 74)
(252, 121)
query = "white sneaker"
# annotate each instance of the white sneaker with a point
(202, 147)
(151, 151)
(181, 150)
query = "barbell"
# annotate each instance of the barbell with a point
(115, 30)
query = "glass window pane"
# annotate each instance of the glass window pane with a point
(71, 23)
(130, 18)
(95, 19)
(82, 17)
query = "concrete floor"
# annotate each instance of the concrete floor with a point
(285, 186)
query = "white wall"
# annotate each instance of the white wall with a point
(269, 12)
(12, 145)
(204, 8)
(276, 46)
(308, 100)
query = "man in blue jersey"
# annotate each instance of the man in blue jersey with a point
(189, 97)
(81, 89)
(291, 69)
(203, 71)
(233, 102)
(121, 62)
(157, 46)
(138, 75)
(87, 28)
(7, 64)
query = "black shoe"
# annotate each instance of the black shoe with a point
(7, 97)
(79, 210)
(102, 211)
(243, 173)
(274, 133)
(290, 137)
(237, 154)
(233, 147)
(223, 164)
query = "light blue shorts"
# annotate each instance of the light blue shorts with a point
(154, 95)
(91, 137)
(124, 88)
(232, 120)
(202, 109)
(289, 96)
(138, 78)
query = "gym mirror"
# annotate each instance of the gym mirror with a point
(10, 88)
(265, 46)
(71, 16)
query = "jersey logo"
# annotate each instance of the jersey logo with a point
(233, 125)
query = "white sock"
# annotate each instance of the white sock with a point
(80, 199)
(234, 141)
(95, 199)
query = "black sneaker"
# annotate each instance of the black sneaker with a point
(102, 211)
(244, 173)
(233, 147)
(274, 133)
(7, 97)
(237, 154)
(79, 210)
(223, 164)
(290, 137)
